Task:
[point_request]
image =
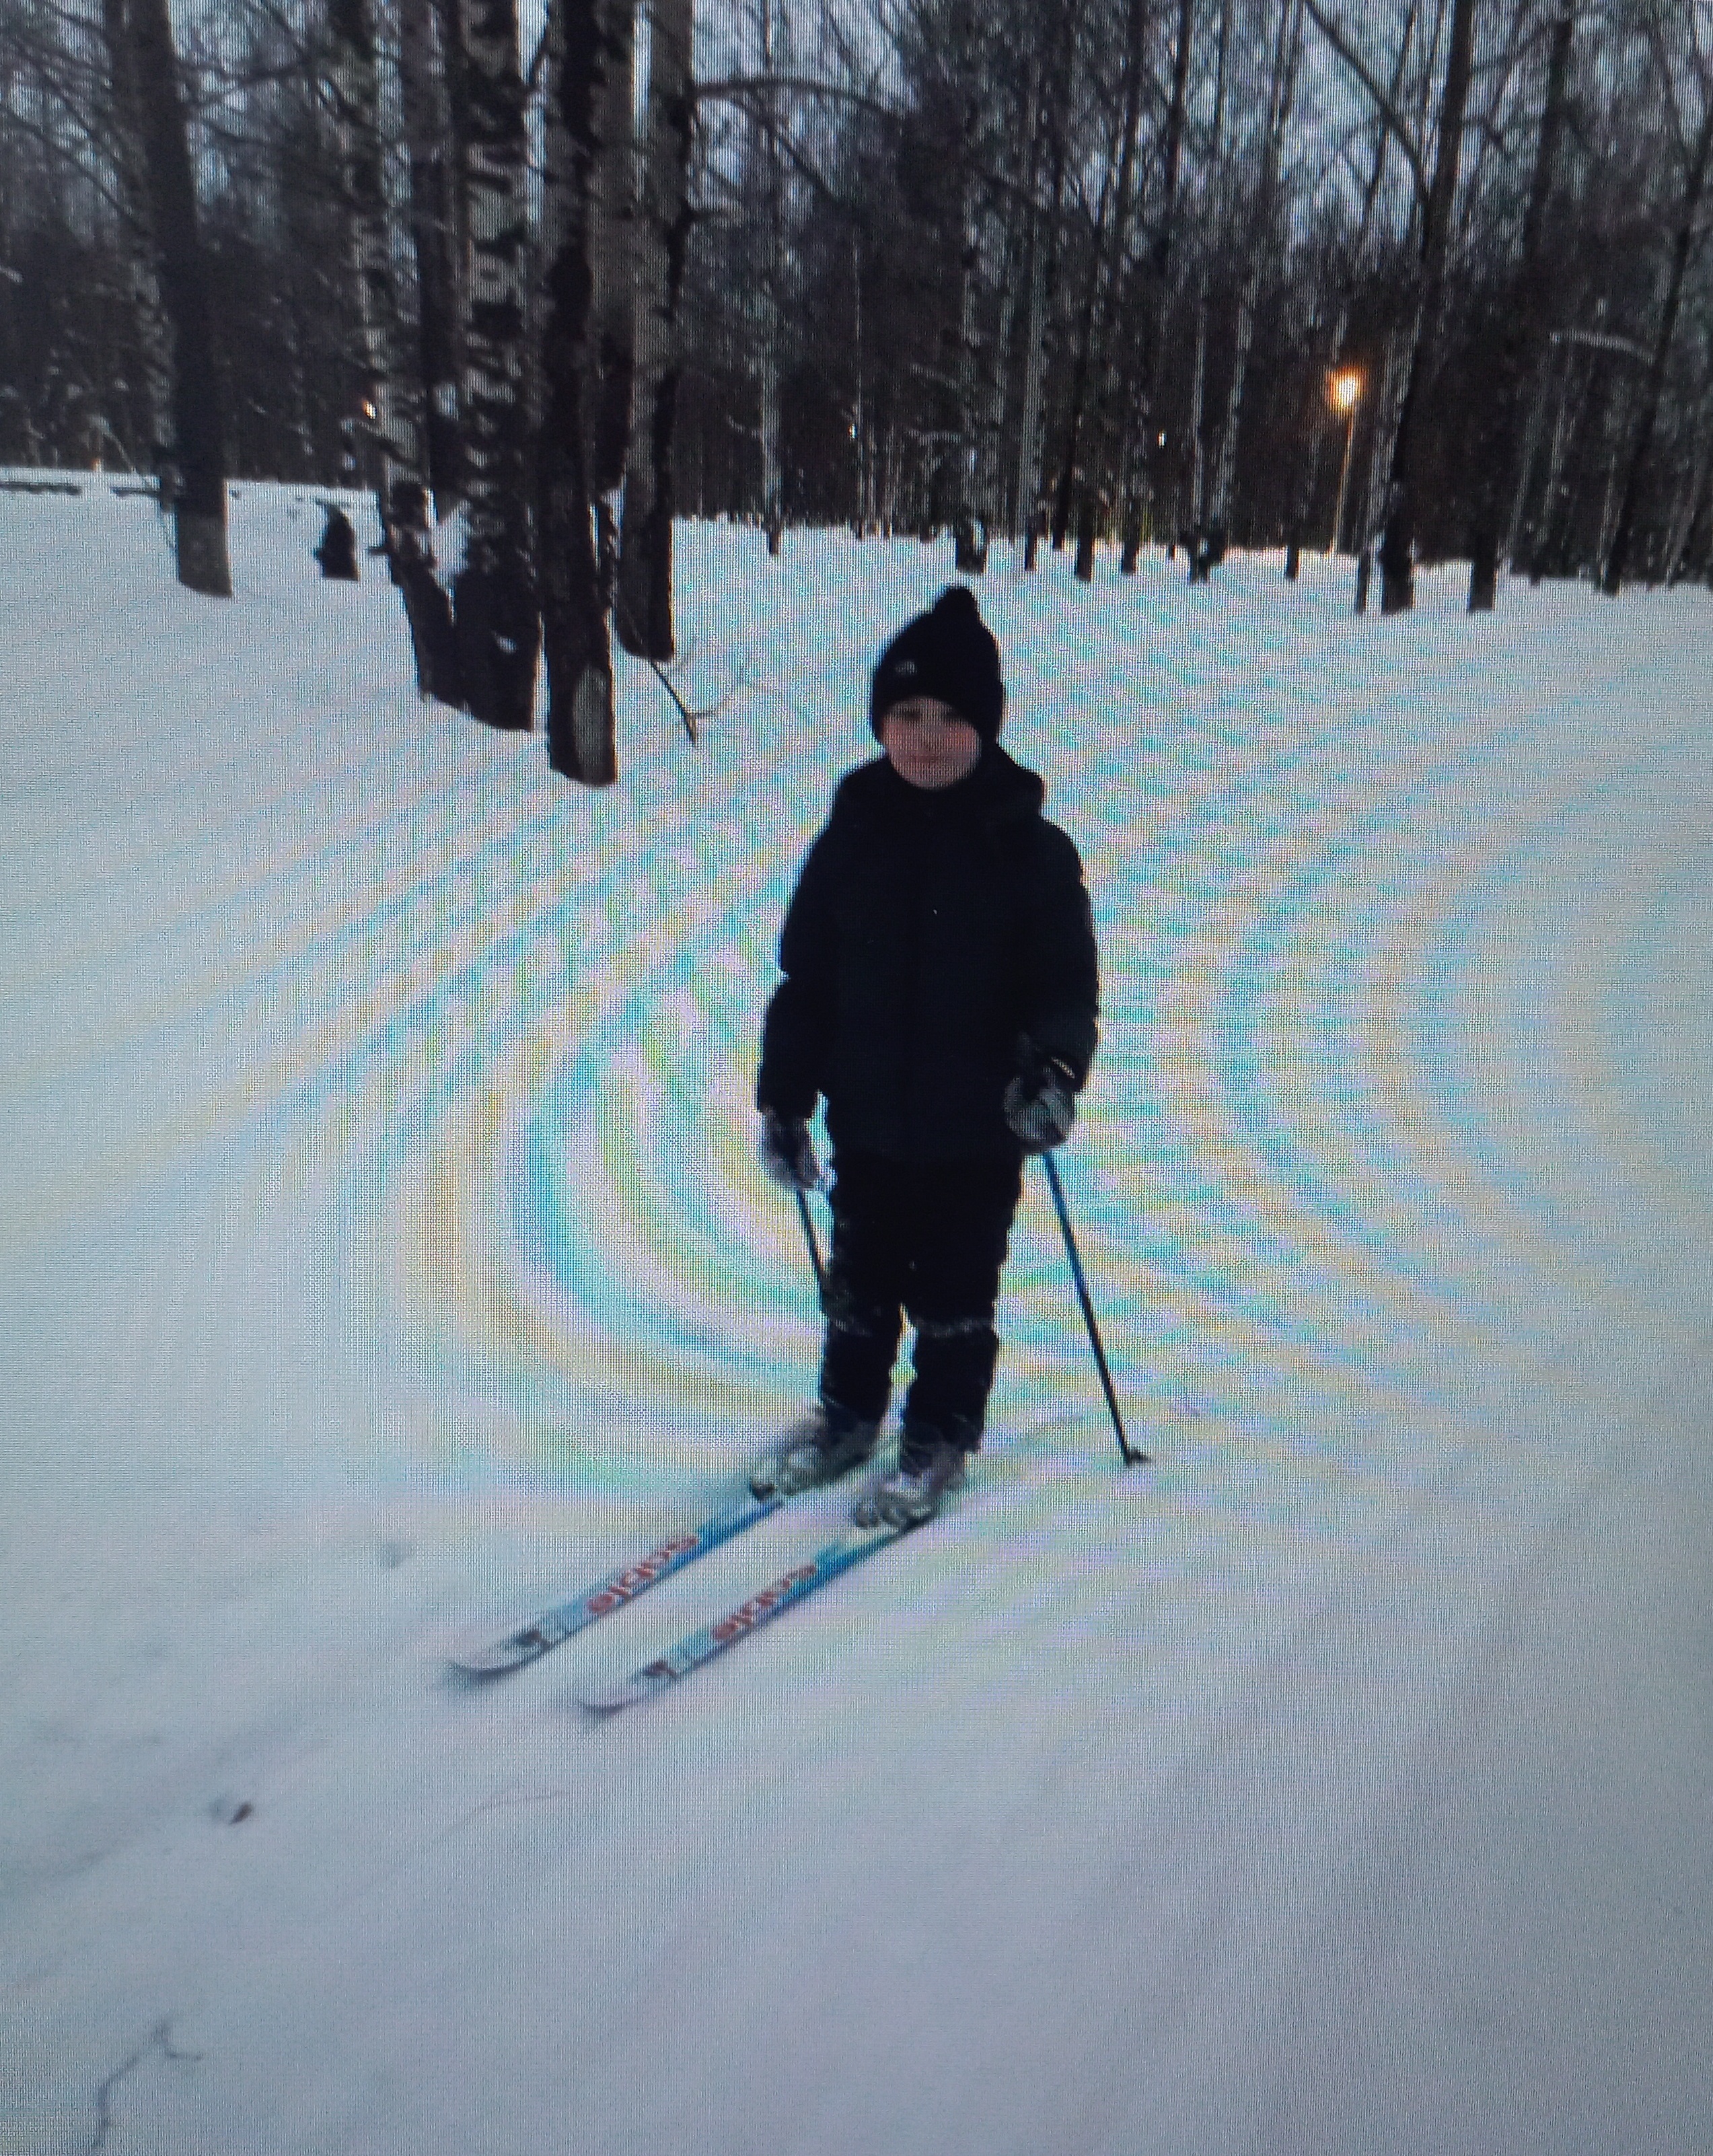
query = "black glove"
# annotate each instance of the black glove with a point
(1040, 1106)
(788, 1152)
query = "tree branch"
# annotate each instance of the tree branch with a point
(740, 90)
(1396, 126)
(736, 89)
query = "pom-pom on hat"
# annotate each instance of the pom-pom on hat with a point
(948, 652)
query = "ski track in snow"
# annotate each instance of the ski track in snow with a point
(386, 1249)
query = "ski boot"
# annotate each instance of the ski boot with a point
(930, 1468)
(828, 1442)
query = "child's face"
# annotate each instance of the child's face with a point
(927, 743)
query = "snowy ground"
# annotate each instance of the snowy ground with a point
(381, 1249)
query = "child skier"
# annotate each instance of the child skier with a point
(940, 990)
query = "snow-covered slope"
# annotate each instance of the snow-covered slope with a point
(383, 1249)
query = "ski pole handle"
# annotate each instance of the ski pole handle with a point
(1132, 1458)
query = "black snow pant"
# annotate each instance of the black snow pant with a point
(928, 1238)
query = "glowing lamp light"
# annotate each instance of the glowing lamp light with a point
(1343, 390)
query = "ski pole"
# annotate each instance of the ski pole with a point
(803, 1208)
(1131, 1457)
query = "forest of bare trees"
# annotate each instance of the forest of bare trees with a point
(1075, 274)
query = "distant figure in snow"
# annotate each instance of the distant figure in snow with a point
(1207, 551)
(941, 992)
(337, 550)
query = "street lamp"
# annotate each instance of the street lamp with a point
(1344, 392)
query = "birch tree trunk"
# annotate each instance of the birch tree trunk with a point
(773, 323)
(1030, 444)
(1550, 537)
(964, 503)
(969, 526)
(864, 521)
(1514, 548)
(499, 626)
(1694, 493)
(1199, 557)
(427, 60)
(644, 587)
(199, 409)
(613, 264)
(997, 506)
(645, 544)
(1144, 438)
(1064, 494)
(769, 423)
(391, 399)
(1618, 419)
(1397, 556)
(1524, 546)
(1044, 229)
(1212, 220)
(1387, 401)
(581, 735)
(1586, 438)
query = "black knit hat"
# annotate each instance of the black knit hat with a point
(948, 653)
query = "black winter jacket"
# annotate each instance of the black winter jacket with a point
(933, 938)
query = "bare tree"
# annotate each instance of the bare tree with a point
(1065, 496)
(644, 591)
(612, 265)
(1050, 144)
(198, 406)
(967, 502)
(1281, 91)
(1682, 41)
(392, 389)
(581, 737)
(1144, 441)
(141, 246)
(1437, 196)
(1332, 353)
(499, 626)
(1522, 335)
(1398, 546)
(1201, 549)
(428, 51)
(1094, 500)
